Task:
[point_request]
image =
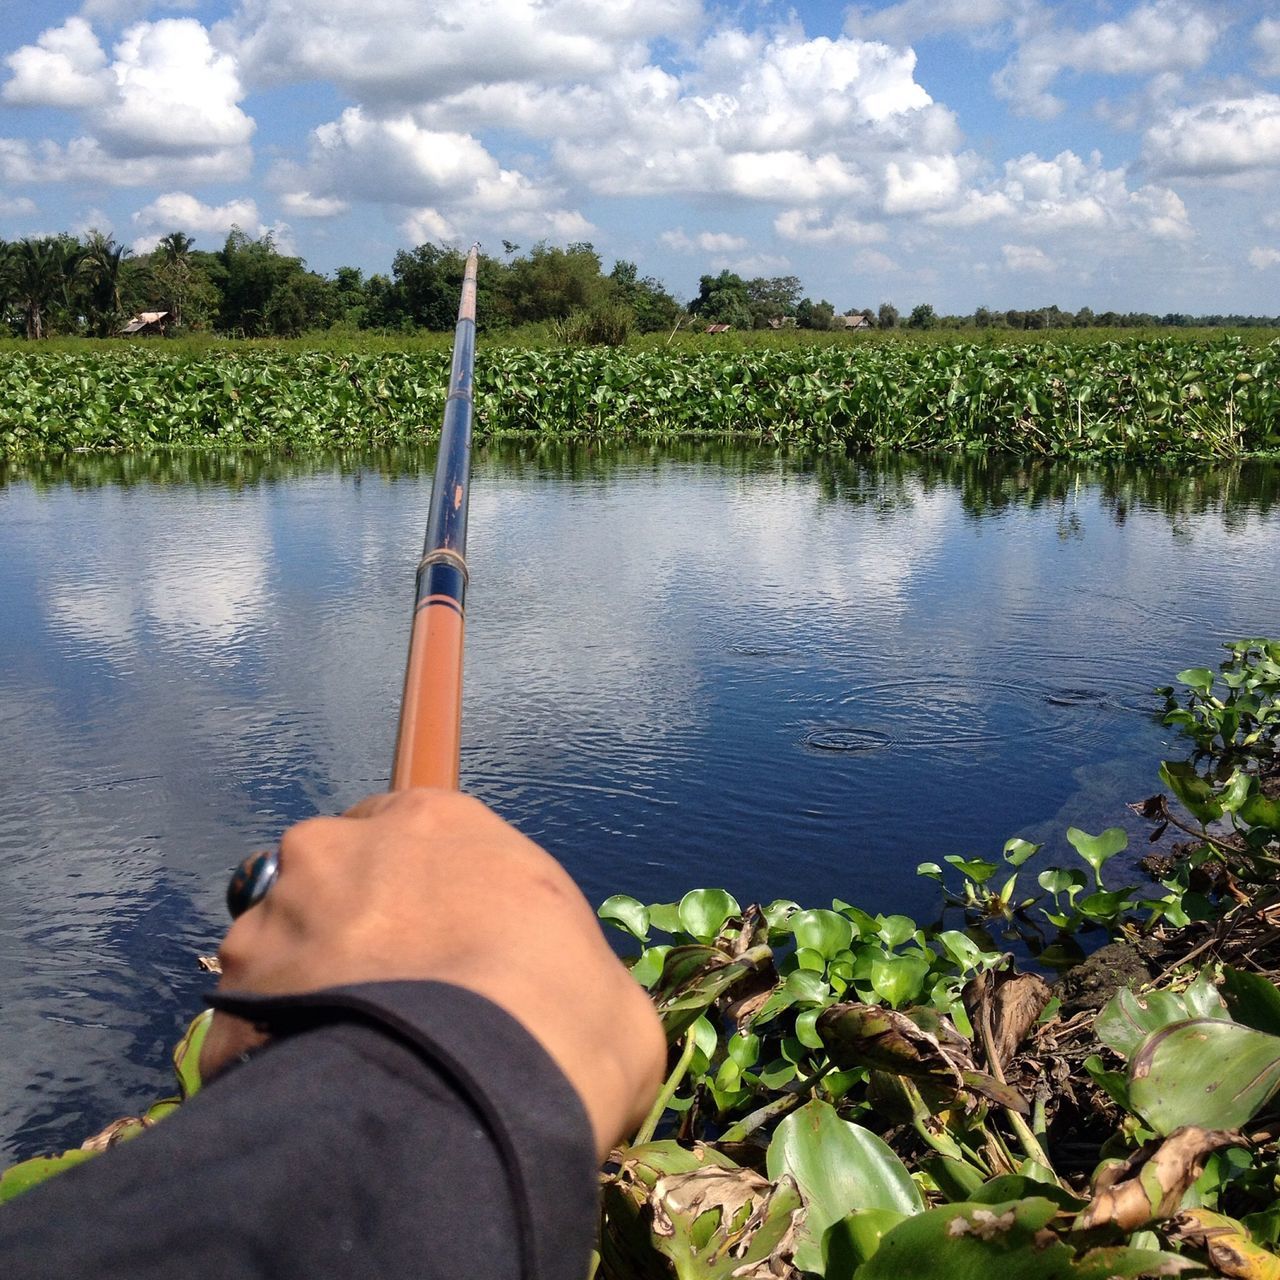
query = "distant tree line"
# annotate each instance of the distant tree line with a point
(248, 288)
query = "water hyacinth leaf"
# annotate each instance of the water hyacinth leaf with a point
(22, 1177)
(665, 916)
(1017, 851)
(1115, 1084)
(806, 1032)
(1152, 1184)
(1259, 811)
(694, 977)
(1229, 1244)
(806, 987)
(1198, 678)
(961, 948)
(779, 912)
(186, 1054)
(979, 870)
(1062, 880)
(930, 870)
(1097, 850)
(894, 930)
(1193, 792)
(714, 1224)
(647, 968)
(975, 1241)
(867, 1035)
(744, 1049)
(626, 913)
(1127, 1020)
(826, 932)
(703, 912)
(855, 1238)
(864, 924)
(1105, 905)
(811, 960)
(898, 979)
(1018, 1186)
(839, 1167)
(1204, 1072)
(1239, 787)
(1252, 999)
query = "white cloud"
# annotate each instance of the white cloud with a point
(85, 160)
(302, 204)
(1266, 35)
(16, 207)
(402, 51)
(178, 210)
(1025, 257)
(1224, 136)
(913, 20)
(175, 94)
(873, 262)
(775, 118)
(1069, 193)
(447, 181)
(1168, 35)
(720, 242)
(917, 186)
(66, 67)
(1263, 258)
(166, 107)
(810, 226)
(128, 10)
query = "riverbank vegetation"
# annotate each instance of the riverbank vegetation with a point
(65, 285)
(1148, 396)
(857, 1096)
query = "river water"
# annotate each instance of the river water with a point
(697, 666)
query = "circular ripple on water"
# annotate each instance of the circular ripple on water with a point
(849, 740)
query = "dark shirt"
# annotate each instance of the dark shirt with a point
(401, 1129)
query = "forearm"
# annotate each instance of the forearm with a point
(358, 1147)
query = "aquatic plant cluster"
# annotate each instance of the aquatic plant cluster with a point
(1163, 396)
(862, 1097)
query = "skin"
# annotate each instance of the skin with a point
(427, 884)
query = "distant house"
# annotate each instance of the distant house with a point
(146, 324)
(718, 328)
(782, 322)
(851, 322)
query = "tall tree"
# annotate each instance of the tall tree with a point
(722, 299)
(39, 272)
(101, 276)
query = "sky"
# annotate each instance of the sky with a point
(1007, 153)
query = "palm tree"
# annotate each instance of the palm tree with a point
(38, 273)
(174, 272)
(100, 268)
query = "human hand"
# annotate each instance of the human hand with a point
(426, 884)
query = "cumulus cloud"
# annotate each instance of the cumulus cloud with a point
(1026, 257)
(66, 67)
(439, 176)
(760, 117)
(167, 103)
(704, 242)
(401, 51)
(179, 210)
(1261, 258)
(1070, 193)
(873, 262)
(174, 93)
(1168, 35)
(1224, 136)
(1266, 35)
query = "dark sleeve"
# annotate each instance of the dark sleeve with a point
(405, 1129)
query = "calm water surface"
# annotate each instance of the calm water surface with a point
(695, 667)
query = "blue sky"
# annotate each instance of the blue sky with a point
(1008, 153)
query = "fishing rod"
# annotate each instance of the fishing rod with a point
(429, 736)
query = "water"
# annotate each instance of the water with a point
(699, 666)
